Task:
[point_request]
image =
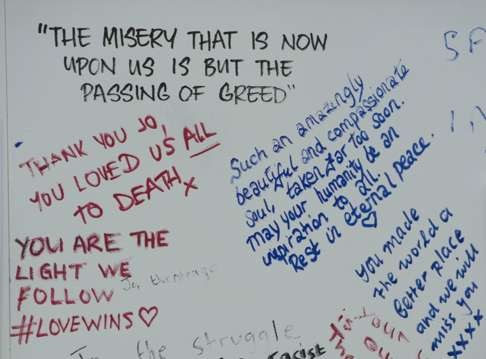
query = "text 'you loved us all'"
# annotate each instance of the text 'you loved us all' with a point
(335, 171)
(53, 290)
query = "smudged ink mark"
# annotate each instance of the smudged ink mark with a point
(452, 120)
(480, 110)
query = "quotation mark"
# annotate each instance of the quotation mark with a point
(42, 28)
(291, 86)
(24, 330)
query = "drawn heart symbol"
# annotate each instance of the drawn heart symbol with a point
(370, 220)
(148, 314)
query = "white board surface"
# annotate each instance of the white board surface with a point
(268, 179)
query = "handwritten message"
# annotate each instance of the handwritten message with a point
(229, 181)
(180, 63)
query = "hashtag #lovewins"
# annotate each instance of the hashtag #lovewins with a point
(38, 327)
